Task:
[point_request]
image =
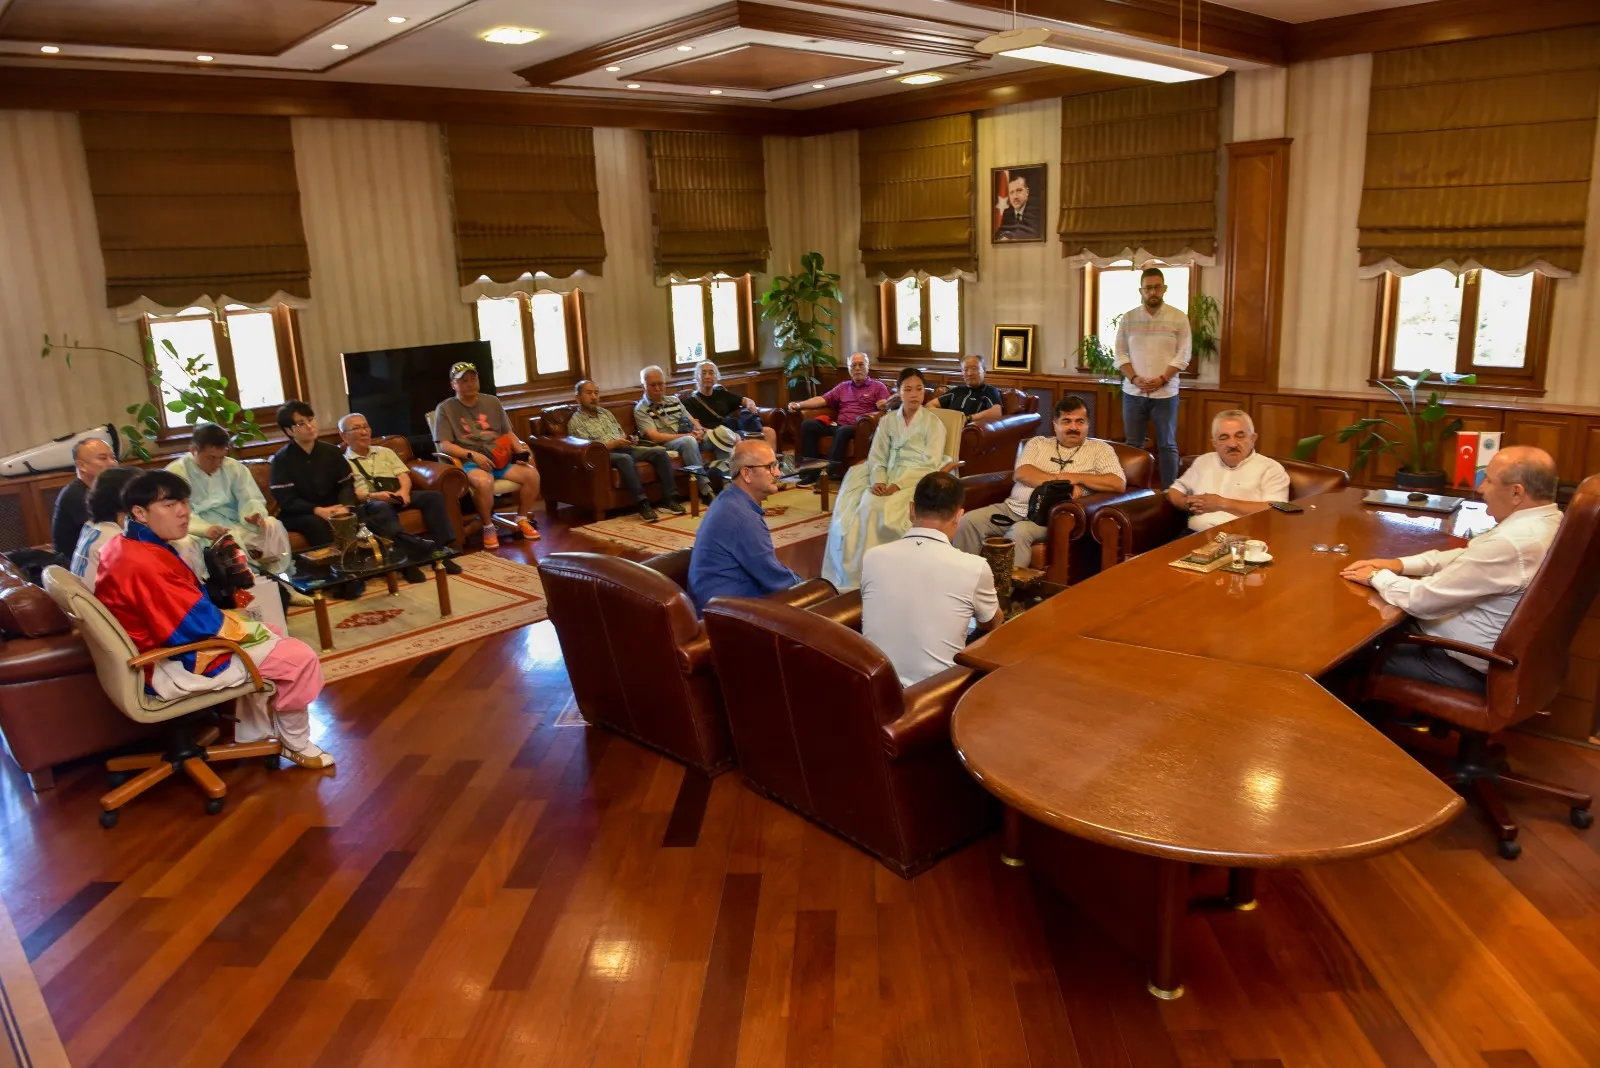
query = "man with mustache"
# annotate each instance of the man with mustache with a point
(1233, 479)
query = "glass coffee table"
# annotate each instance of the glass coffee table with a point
(792, 469)
(313, 574)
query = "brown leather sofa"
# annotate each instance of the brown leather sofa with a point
(579, 472)
(52, 708)
(637, 655)
(425, 474)
(821, 723)
(1145, 520)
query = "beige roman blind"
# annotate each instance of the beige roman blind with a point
(525, 201)
(917, 187)
(193, 206)
(1481, 151)
(1139, 170)
(709, 193)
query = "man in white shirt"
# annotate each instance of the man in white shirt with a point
(1231, 480)
(1468, 594)
(1070, 454)
(1153, 346)
(920, 594)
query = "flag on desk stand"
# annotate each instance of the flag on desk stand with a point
(1466, 458)
(1488, 445)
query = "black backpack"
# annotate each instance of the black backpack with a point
(1045, 497)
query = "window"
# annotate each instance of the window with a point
(256, 350)
(921, 320)
(1492, 325)
(1111, 292)
(537, 340)
(711, 320)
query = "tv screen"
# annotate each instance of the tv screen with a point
(397, 388)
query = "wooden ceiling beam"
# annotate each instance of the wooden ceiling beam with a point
(1438, 22)
(1223, 31)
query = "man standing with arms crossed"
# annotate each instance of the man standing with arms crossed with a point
(1153, 346)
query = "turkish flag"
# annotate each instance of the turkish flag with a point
(1466, 457)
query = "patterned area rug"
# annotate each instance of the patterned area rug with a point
(799, 518)
(28, 1038)
(490, 596)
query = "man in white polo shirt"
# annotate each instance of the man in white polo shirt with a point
(1231, 480)
(920, 594)
(1153, 345)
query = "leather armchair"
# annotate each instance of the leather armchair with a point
(993, 446)
(1145, 520)
(859, 445)
(842, 742)
(1526, 667)
(1068, 554)
(579, 472)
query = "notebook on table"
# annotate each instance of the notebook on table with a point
(1429, 502)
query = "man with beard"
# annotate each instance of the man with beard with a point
(1153, 346)
(1231, 480)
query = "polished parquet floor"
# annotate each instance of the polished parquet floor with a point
(486, 881)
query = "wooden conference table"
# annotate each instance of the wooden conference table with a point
(1149, 718)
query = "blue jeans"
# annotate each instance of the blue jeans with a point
(1141, 413)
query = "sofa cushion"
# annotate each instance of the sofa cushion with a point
(33, 659)
(26, 611)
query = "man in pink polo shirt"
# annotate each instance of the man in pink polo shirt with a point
(848, 401)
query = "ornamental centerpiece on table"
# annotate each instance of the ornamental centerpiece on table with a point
(1419, 437)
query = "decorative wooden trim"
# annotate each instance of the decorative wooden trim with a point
(1254, 235)
(1224, 31)
(975, 94)
(621, 49)
(1430, 23)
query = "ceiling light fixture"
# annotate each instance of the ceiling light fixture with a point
(892, 70)
(613, 70)
(1040, 45)
(341, 48)
(511, 35)
(49, 49)
(897, 51)
(397, 19)
(716, 92)
(921, 79)
(686, 48)
(205, 59)
(819, 85)
(633, 85)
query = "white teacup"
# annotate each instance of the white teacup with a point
(1255, 551)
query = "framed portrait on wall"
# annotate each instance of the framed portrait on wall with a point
(1019, 198)
(1013, 349)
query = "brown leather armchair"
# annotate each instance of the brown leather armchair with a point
(637, 655)
(774, 419)
(1526, 667)
(579, 472)
(821, 723)
(1145, 520)
(859, 445)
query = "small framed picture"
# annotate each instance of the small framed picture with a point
(1019, 198)
(1013, 349)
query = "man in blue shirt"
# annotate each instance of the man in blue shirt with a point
(733, 555)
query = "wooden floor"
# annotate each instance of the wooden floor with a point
(486, 881)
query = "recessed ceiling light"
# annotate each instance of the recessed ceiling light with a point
(397, 19)
(892, 70)
(341, 48)
(511, 35)
(921, 79)
(613, 70)
(633, 85)
(686, 48)
(205, 59)
(716, 92)
(49, 49)
(897, 51)
(818, 85)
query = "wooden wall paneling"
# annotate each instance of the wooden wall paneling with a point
(1328, 417)
(1553, 432)
(1587, 445)
(1384, 466)
(1254, 234)
(1278, 423)
(1207, 405)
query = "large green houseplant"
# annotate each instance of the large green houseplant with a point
(199, 394)
(1426, 425)
(803, 320)
(1204, 315)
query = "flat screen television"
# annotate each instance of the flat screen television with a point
(397, 388)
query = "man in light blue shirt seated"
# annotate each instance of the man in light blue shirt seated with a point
(733, 554)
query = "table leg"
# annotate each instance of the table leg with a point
(1010, 835)
(393, 583)
(442, 578)
(319, 601)
(822, 488)
(694, 497)
(1172, 901)
(1242, 889)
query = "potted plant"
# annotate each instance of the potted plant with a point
(1426, 426)
(1204, 314)
(1096, 356)
(197, 393)
(801, 318)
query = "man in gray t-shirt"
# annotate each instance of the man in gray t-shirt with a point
(467, 428)
(661, 419)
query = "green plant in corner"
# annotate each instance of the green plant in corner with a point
(197, 393)
(1426, 425)
(1096, 356)
(1204, 315)
(802, 319)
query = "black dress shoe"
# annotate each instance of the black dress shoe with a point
(451, 567)
(413, 575)
(647, 513)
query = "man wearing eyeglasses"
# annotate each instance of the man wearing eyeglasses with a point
(733, 554)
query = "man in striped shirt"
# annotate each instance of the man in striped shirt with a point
(1153, 345)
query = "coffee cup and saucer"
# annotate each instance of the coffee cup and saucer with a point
(1255, 552)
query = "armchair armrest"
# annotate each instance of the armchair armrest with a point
(581, 451)
(694, 655)
(926, 719)
(984, 490)
(844, 609)
(1450, 644)
(1140, 521)
(804, 594)
(446, 478)
(209, 645)
(861, 444)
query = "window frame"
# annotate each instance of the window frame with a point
(890, 350)
(291, 361)
(575, 315)
(1089, 300)
(745, 356)
(1527, 380)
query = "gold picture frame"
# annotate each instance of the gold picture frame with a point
(1013, 349)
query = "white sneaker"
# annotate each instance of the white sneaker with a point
(310, 757)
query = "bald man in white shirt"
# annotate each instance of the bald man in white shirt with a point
(1468, 594)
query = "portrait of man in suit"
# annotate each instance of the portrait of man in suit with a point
(1019, 203)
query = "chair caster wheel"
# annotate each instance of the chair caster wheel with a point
(1510, 850)
(108, 819)
(213, 806)
(272, 763)
(116, 778)
(1582, 818)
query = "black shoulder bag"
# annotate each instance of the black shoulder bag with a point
(1044, 499)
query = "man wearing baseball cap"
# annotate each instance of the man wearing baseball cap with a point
(473, 428)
